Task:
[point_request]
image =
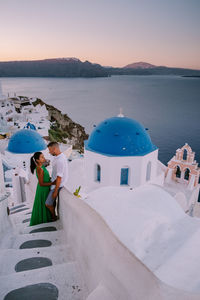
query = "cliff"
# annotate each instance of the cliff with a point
(63, 129)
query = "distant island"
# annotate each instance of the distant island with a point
(140, 65)
(144, 68)
(192, 76)
(73, 67)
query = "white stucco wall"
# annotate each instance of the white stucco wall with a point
(30, 187)
(4, 220)
(194, 197)
(110, 270)
(2, 186)
(18, 160)
(188, 202)
(111, 169)
(17, 191)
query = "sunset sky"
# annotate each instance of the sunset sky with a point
(109, 32)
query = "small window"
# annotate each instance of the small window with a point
(178, 172)
(98, 173)
(148, 173)
(185, 154)
(124, 176)
(187, 174)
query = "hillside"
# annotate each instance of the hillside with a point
(61, 67)
(73, 67)
(63, 127)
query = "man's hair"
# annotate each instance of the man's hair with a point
(53, 144)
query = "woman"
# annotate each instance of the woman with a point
(40, 214)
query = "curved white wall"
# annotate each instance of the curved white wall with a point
(110, 270)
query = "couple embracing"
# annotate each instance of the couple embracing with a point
(48, 188)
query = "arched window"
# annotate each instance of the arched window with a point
(98, 173)
(178, 172)
(187, 174)
(185, 154)
(148, 172)
(124, 176)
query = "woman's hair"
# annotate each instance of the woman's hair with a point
(33, 161)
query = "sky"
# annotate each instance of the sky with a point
(108, 32)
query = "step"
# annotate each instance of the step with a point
(18, 215)
(21, 223)
(13, 241)
(66, 277)
(28, 229)
(12, 208)
(9, 258)
(38, 291)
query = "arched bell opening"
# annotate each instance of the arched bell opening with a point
(178, 172)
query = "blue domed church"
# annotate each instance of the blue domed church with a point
(26, 141)
(23, 144)
(119, 152)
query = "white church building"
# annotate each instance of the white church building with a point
(119, 152)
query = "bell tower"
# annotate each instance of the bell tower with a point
(183, 167)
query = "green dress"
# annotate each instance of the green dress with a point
(41, 214)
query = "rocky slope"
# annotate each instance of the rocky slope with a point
(63, 129)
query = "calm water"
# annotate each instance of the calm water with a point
(168, 105)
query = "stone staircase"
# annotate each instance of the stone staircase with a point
(36, 263)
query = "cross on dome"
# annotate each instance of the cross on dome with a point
(121, 115)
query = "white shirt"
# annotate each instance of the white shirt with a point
(60, 168)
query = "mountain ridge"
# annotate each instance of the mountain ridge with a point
(56, 67)
(139, 65)
(74, 67)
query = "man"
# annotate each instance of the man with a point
(59, 175)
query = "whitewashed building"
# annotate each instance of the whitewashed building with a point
(119, 152)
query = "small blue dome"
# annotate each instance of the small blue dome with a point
(26, 141)
(120, 137)
(30, 126)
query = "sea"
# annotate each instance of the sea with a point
(169, 106)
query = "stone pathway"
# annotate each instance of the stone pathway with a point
(37, 263)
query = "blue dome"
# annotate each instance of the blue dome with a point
(120, 137)
(30, 126)
(26, 141)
